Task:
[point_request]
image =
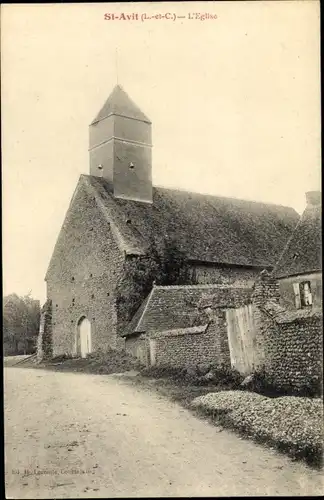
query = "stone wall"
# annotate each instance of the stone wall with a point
(45, 340)
(82, 279)
(293, 352)
(182, 348)
(225, 275)
(138, 346)
(289, 342)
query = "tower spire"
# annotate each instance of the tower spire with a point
(116, 64)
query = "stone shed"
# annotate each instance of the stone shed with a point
(184, 325)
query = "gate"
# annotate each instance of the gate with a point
(242, 339)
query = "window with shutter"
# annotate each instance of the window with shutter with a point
(305, 294)
(297, 295)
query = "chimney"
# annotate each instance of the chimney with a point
(313, 198)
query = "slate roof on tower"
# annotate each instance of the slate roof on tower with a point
(119, 103)
(303, 251)
(206, 228)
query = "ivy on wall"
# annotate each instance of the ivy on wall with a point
(164, 264)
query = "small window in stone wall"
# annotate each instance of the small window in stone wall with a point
(303, 294)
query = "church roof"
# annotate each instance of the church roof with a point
(206, 228)
(119, 103)
(178, 307)
(302, 253)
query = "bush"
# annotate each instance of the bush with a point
(291, 424)
(165, 371)
(223, 376)
(227, 376)
(264, 383)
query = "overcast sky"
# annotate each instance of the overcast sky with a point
(234, 101)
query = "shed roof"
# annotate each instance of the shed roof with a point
(179, 307)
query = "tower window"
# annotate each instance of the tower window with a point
(128, 221)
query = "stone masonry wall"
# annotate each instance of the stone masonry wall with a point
(266, 289)
(82, 279)
(235, 276)
(183, 349)
(294, 353)
(290, 342)
(44, 339)
(138, 346)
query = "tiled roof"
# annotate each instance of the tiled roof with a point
(303, 253)
(207, 228)
(179, 307)
(282, 315)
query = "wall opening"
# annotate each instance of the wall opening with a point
(84, 341)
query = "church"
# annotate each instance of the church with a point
(115, 220)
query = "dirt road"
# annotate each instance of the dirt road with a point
(73, 435)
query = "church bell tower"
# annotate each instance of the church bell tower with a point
(121, 147)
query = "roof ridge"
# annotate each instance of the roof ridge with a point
(211, 285)
(169, 188)
(149, 297)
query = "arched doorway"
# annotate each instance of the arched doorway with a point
(84, 337)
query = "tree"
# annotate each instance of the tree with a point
(21, 317)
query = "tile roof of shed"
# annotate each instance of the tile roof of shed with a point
(178, 307)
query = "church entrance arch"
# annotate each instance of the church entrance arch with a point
(84, 337)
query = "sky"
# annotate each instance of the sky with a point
(234, 101)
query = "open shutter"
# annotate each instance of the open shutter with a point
(297, 295)
(309, 294)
